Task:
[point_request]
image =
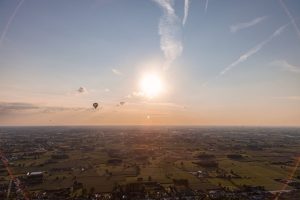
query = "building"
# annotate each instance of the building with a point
(35, 177)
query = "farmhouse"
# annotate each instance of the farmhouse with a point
(34, 177)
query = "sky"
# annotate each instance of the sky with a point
(214, 62)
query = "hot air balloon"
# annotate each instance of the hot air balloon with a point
(122, 103)
(95, 105)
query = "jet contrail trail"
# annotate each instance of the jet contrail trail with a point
(11, 18)
(292, 19)
(243, 25)
(206, 6)
(253, 51)
(186, 11)
(170, 33)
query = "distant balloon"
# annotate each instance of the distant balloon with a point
(82, 90)
(95, 105)
(122, 103)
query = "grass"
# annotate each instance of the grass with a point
(260, 173)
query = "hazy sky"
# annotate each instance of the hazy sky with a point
(233, 62)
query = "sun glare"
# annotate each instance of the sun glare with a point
(151, 85)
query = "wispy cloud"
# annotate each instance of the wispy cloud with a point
(285, 66)
(149, 104)
(82, 90)
(117, 72)
(135, 94)
(253, 51)
(14, 106)
(206, 6)
(11, 18)
(243, 25)
(170, 32)
(294, 98)
(9, 107)
(186, 11)
(139, 98)
(64, 109)
(292, 19)
(166, 104)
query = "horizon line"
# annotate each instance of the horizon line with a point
(153, 125)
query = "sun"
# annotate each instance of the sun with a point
(151, 85)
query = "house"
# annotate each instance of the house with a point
(34, 177)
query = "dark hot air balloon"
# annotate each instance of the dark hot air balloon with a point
(95, 105)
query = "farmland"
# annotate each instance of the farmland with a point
(203, 162)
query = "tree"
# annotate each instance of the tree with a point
(83, 193)
(138, 169)
(92, 190)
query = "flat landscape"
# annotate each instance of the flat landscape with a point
(149, 162)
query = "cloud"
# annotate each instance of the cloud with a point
(63, 109)
(144, 104)
(117, 72)
(186, 11)
(206, 6)
(285, 66)
(240, 26)
(170, 33)
(137, 94)
(12, 107)
(294, 98)
(253, 51)
(15, 106)
(106, 90)
(11, 18)
(166, 104)
(139, 98)
(82, 90)
(292, 19)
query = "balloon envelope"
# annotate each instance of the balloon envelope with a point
(95, 105)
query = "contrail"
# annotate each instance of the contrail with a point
(285, 66)
(292, 19)
(253, 51)
(117, 72)
(240, 26)
(206, 6)
(11, 18)
(170, 33)
(186, 11)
